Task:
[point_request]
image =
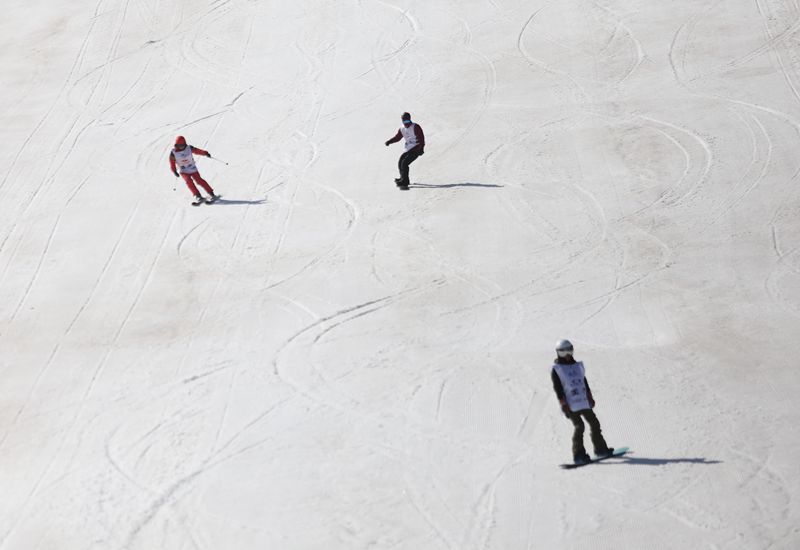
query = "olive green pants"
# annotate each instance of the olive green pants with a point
(596, 433)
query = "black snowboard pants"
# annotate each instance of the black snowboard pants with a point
(405, 159)
(598, 442)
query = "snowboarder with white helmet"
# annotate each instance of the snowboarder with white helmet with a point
(415, 147)
(181, 157)
(577, 402)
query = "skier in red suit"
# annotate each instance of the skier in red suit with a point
(182, 157)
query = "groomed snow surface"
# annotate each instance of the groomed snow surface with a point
(321, 361)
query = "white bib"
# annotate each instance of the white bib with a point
(410, 136)
(572, 380)
(185, 160)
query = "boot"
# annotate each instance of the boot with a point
(582, 459)
(608, 451)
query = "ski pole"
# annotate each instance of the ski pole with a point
(218, 160)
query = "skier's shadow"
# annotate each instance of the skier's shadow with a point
(448, 185)
(234, 202)
(641, 461)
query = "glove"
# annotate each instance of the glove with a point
(421, 152)
(591, 402)
(387, 144)
(565, 408)
(177, 175)
(208, 155)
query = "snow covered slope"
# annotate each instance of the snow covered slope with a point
(321, 361)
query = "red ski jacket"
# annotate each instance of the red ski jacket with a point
(195, 151)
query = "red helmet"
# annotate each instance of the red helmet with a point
(180, 140)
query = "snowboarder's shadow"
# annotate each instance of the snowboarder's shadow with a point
(448, 185)
(233, 202)
(642, 461)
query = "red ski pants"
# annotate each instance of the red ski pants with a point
(200, 181)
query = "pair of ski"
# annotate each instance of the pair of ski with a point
(206, 200)
(617, 453)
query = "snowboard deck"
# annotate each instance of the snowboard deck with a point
(617, 453)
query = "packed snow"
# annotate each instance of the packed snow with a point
(322, 361)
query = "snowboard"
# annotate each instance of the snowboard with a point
(617, 453)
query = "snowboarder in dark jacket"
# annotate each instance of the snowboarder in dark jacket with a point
(415, 147)
(577, 402)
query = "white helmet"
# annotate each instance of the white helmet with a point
(564, 348)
